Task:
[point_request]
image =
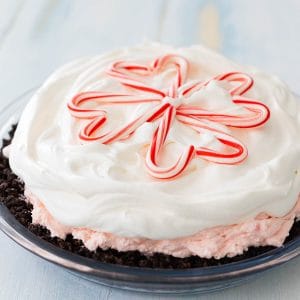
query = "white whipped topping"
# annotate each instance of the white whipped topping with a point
(106, 187)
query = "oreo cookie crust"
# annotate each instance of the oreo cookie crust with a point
(12, 196)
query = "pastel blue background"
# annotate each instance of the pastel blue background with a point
(38, 36)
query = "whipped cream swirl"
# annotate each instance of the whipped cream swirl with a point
(106, 187)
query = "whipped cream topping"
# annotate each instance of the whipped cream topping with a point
(106, 187)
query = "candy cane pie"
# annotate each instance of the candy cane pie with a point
(157, 156)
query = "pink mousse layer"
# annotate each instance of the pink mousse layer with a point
(214, 242)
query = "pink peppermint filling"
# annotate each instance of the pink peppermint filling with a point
(217, 242)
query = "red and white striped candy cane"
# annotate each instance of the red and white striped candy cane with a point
(170, 106)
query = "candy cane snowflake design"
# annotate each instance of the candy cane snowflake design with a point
(170, 105)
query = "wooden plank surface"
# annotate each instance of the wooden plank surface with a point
(38, 36)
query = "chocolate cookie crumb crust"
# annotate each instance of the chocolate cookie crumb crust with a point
(12, 196)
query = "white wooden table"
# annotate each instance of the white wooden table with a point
(37, 36)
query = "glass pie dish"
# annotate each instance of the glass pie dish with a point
(179, 281)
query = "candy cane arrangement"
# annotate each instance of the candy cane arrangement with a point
(170, 105)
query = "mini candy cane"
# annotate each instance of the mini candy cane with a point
(170, 106)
